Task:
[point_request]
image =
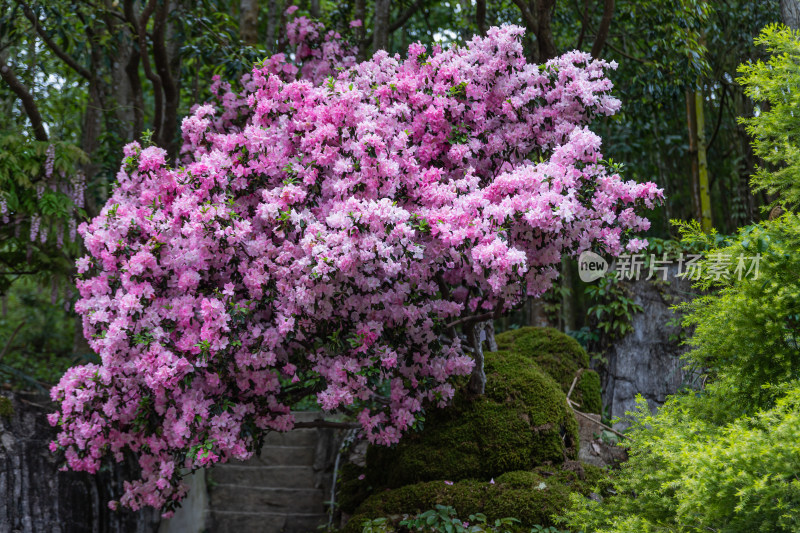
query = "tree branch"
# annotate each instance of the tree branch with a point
(530, 19)
(140, 30)
(28, 103)
(320, 423)
(397, 24)
(602, 30)
(719, 116)
(171, 96)
(7, 347)
(404, 16)
(628, 56)
(584, 22)
(497, 313)
(51, 44)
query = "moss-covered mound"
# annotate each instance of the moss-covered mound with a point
(521, 422)
(533, 497)
(561, 357)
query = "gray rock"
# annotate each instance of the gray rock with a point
(648, 360)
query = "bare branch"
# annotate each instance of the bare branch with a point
(7, 347)
(28, 103)
(51, 44)
(394, 26)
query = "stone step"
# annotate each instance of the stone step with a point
(282, 456)
(308, 416)
(225, 497)
(295, 437)
(266, 522)
(247, 475)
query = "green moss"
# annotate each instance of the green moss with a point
(6, 407)
(561, 357)
(534, 497)
(522, 421)
(351, 490)
(588, 392)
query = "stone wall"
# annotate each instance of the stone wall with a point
(285, 489)
(35, 497)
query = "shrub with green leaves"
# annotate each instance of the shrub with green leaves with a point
(687, 473)
(727, 458)
(41, 201)
(775, 129)
(747, 331)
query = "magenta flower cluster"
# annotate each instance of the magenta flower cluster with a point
(324, 237)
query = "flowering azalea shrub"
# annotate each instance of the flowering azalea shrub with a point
(329, 238)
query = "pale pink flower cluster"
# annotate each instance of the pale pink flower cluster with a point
(320, 238)
(49, 161)
(40, 226)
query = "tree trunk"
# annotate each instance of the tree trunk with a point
(790, 13)
(544, 31)
(477, 381)
(694, 170)
(164, 57)
(602, 30)
(248, 21)
(701, 200)
(380, 29)
(702, 164)
(273, 18)
(122, 91)
(480, 16)
(360, 13)
(568, 290)
(537, 15)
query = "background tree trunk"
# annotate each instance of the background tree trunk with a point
(480, 16)
(694, 171)
(360, 13)
(602, 31)
(790, 13)
(380, 29)
(695, 121)
(248, 21)
(273, 19)
(702, 163)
